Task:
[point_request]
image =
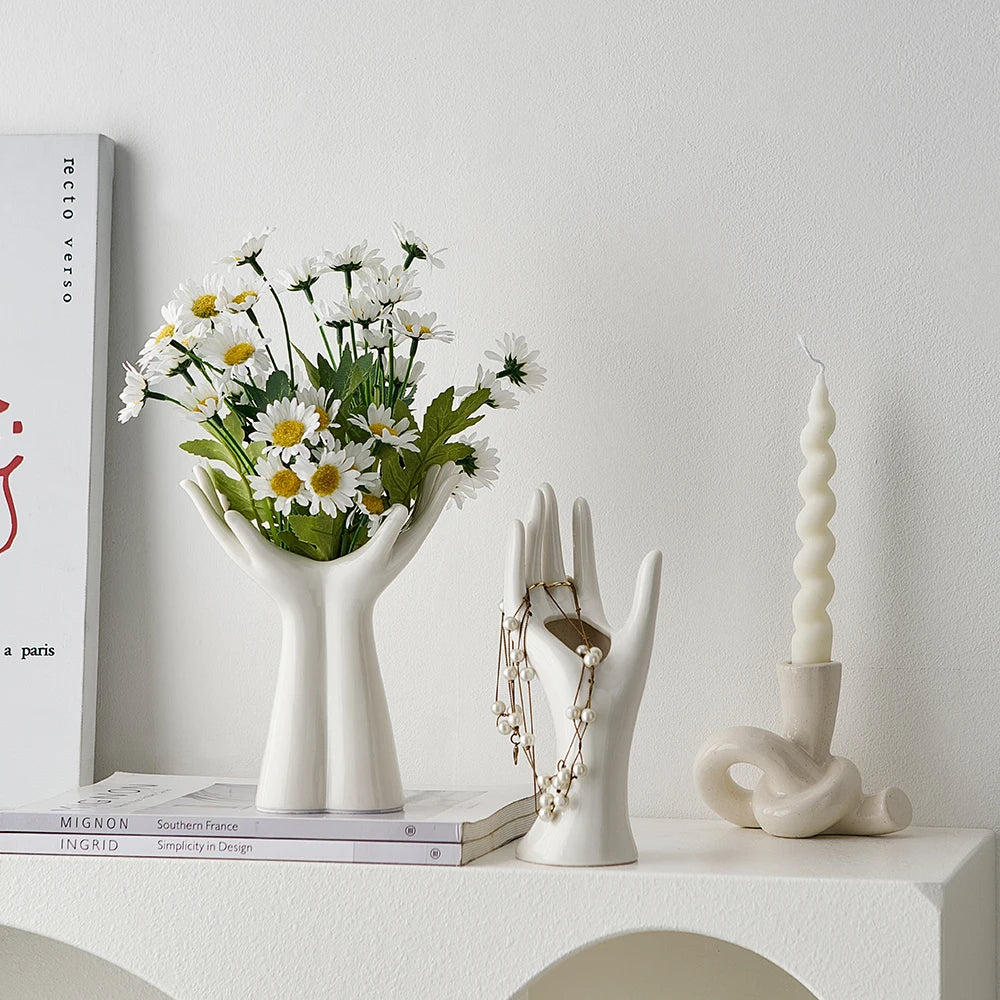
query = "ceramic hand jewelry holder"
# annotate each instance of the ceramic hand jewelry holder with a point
(330, 745)
(593, 678)
(804, 790)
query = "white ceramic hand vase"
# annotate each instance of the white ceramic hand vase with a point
(594, 829)
(329, 745)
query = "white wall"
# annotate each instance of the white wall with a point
(658, 195)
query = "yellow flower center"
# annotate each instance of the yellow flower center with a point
(166, 333)
(238, 354)
(248, 296)
(325, 480)
(374, 505)
(206, 403)
(285, 483)
(377, 430)
(424, 330)
(288, 433)
(324, 418)
(408, 327)
(204, 307)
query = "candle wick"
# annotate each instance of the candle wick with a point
(812, 357)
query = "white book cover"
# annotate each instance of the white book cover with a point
(371, 852)
(168, 804)
(55, 235)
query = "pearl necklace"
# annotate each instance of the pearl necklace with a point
(515, 717)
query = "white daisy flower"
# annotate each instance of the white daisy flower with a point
(241, 296)
(329, 315)
(379, 337)
(325, 407)
(352, 260)
(157, 353)
(288, 427)
(331, 481)
(480, 469)
(390, 287)
(134, 394)
(249, 249)
(517, 363)
(277, 482)
(204, 399)
(362, 460)
(422, 326)
(380, 425)
(500, 398)
(199, 305)
(237, 348)
(303, 275)
(374, 505)
(415, 248)
(359, 309)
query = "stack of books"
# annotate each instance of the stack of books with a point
(171, 816)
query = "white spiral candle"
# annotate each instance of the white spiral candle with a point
(812, 641)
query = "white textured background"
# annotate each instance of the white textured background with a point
(659, 196)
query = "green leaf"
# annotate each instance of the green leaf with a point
(311, 370)
(278, 386)
(206, 448)
(288, 540)
(399, 475)
(234, 425)
(359, 372)
(325, 372)
(442, 422)
(236, 492)
(254, 450)
(321, 531)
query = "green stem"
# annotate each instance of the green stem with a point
(322, 329)
(267, 347)
(409, 368)
(284, 320)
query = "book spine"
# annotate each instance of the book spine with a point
(232, 848)
(271, 827)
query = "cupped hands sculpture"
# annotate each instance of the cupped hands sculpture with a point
(593, 828)
(330, 745)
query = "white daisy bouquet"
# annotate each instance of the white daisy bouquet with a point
(314, 448)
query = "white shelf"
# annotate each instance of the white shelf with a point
(909, 916)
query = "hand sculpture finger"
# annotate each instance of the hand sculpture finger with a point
(533, 539)
(645, 604)
(213, 520)
(514, 585)
(553, 568)
(381, 543)
(432, 502)
(258, 548)
(584, 556)
(203, 477)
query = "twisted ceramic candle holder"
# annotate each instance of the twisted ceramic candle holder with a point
(804, 790)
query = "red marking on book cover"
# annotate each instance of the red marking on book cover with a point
(5, 474)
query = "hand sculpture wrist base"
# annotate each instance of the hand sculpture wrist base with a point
(804, 790)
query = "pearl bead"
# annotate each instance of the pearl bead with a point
(588, 715)
(515, 718)
(579, 769)
(545, 815)
(503, 727)
(559, 801)
(582, 650)
(511, 624)
(564, 775)
(500, 605)
(499, 708)
(527, 674)
(543, 782)
(596, 651)
(509, 672)
(518, 656)
(573, 713)
(546, 799)
(589, 660)
(528, 740)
